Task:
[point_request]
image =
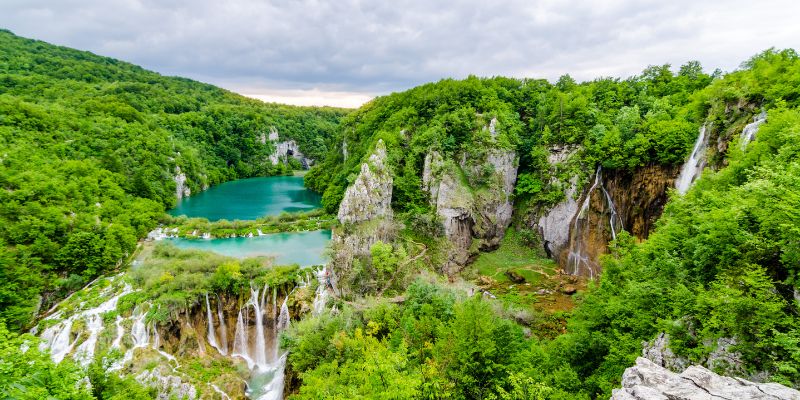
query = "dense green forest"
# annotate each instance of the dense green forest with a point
(89, 147)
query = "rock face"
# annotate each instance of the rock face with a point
(576, 232)
(472, 197)
(553, 224)
(168, 386)
(285, 149)
(370, 196)
(648, 381)
(658, 352)
(181, 189)
(365, 213)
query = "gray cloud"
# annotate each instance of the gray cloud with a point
(375, 47)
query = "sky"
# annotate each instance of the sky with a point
(345, 52)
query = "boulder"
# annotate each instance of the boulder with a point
(648, 381)
(515, 276)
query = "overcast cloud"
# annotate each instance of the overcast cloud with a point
(342, 52)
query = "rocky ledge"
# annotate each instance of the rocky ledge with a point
(648, 381)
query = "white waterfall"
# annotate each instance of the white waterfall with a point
(211, 335)
(577, 256)
(259, 232)
(57, 337)
(321, 296)
(240, 345)
(223, 328)
(750, 130)
(60, 344)
(260, 349)
(693, 167)
(85, 352)
(283, 318)
(139, 332)
(117, 343)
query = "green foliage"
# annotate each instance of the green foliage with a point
(174, 280)
(434, 345)
(285, 222)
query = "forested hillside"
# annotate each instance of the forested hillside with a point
(89, 150)
(718, 275)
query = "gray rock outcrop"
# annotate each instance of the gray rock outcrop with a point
(472, 197)
(648, 381)
(553, 224)
(285, 149)
(181, 188)
(365, 214)
(370, 195)
(658, 351)
(168, 386)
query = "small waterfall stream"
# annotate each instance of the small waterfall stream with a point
(211, 335)
(57, 338)
(222, 327)
(578, 258)
(321, 295)
(693, 167)
(750, 130)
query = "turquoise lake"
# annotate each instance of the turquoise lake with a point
(302, 248)
(249, 199)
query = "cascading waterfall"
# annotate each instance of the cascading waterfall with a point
(321, 296)
(223, 328)
(60, 344)
(693, 166)
(267, 365)
(261, 345)
(117, 343)
(240, 347)
(139, 332)
(578, 256)
(57, 337)
(750, 130)
(211, 335)
(283, 318)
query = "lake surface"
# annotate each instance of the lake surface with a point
(248, 199)
(302, 248)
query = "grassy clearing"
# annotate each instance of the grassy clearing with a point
(545, 295)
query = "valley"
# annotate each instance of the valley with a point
(479, 238)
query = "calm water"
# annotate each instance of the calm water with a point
(303, 248)
(251, 198)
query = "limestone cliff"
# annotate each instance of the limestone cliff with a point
(285, 149)
(648, 381)
(473, 198)
(365, 213)
(553, 223)
(611, 201)
(181, 188)
(370, 195)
